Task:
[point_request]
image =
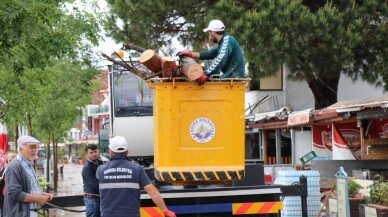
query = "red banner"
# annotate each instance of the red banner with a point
(3, 144)
(378, 129)
(322, 136)
(338, 140)
(341, 148)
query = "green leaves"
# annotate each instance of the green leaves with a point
(309, 38)
(63, 89)
(37, 31)
(378, 191)
(46, 58)
(154, 24)
(313, 38)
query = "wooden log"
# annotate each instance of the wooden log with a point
(191, 69)
(151, 60)
(169, 66)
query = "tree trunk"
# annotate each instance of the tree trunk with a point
(48, 159)
(169, 66)
(191, 69)
(29, 124)
(324, 90)
(151, 60)
(55, 164)
(16, 133)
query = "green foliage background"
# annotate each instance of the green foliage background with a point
(316, 39)
(46, 64)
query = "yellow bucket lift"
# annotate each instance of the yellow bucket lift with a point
(199, 130)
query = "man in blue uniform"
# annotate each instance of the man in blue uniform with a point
(227, 57)
(91, 191)
(120, 181)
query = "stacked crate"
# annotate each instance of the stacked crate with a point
(292, 206)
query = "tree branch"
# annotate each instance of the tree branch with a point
(153, 75)
(142, 74)
(134, 47)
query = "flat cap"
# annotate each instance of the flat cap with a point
(27, 140)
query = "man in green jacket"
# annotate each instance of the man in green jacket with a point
(227, 56)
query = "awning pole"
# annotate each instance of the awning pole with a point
(278, 147)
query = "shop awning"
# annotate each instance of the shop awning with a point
(280, 114)
(299, 117)
(359, 105)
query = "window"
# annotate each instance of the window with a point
(252, 146)
(274, 82)
(132, 97)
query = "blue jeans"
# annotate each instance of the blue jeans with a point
(92, 207)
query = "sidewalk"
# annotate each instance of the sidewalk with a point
(71, 184)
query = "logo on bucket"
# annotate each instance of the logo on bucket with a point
(202, 130)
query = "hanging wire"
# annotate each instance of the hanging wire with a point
(328, 87)
(305, 104)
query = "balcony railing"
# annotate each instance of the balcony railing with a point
(98, 110)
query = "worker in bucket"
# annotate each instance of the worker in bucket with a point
(227, 56)
(120, 181)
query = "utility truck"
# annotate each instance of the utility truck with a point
(190, 140)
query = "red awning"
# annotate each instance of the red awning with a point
(299, 117)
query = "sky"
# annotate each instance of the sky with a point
(107, 45)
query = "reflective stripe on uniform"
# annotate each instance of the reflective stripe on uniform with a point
(119, 185)
(220, 55)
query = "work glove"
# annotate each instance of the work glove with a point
(201, 80)
(168, 213)
(185, 54)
